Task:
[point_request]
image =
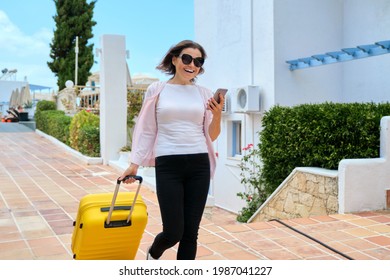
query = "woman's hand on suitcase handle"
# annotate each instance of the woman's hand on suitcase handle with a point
(130, 179)
(128, 175)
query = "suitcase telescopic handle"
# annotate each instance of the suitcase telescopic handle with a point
(136, 177)
(118, 182)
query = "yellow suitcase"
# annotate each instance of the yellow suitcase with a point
(108, 226)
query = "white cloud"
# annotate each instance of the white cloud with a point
(26, 53)
(15, 43)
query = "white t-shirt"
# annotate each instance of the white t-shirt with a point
(180, 115)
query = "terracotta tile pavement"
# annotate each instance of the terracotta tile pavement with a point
(41, 185)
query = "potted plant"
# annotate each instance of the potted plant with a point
(28, 107)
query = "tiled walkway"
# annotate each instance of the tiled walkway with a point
(41, 185)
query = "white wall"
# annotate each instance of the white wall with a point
(113, 96)
(264, 51)
(366, 22)
(223, 28)
(6, 88)
(363, 182)
(307, 27)
(249, 42)
(304, 28)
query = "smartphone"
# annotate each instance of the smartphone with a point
(222, 91)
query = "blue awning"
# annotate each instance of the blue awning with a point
(38, 87)
(382, 47)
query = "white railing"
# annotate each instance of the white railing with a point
(88, 97)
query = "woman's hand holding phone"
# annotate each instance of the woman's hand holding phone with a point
(215, 104)
(219, 91)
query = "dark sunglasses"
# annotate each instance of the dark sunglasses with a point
(187, 59)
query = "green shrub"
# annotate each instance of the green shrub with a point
(80, 132)
(318, 135)
(314, 135)
(78, 122)
(254, 194)
(58, 125)
(89, 140)
(54, 123)
(42, 119)
(134, 104)
(45, 105)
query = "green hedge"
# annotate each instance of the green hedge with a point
(84, 133)
(89, 140)
(45, 105)
(41, 121)
(317, 135)
(51, 121)
(54, 123)
(80, 132)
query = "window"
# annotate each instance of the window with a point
(236, 138)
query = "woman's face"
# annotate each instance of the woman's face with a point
(186, 68)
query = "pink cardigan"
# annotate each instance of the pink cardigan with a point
(145, 130)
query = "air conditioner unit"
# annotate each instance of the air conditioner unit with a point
(226, 104)
(246, 99)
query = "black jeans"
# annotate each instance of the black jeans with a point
(182, 184)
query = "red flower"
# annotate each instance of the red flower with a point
(247, 147)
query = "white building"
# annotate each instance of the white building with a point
(248, 43)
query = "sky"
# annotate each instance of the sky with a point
(150, 27)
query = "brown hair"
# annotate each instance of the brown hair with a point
(166, 65)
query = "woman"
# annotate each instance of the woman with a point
(174, 132)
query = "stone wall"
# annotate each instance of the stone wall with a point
(306, 192)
